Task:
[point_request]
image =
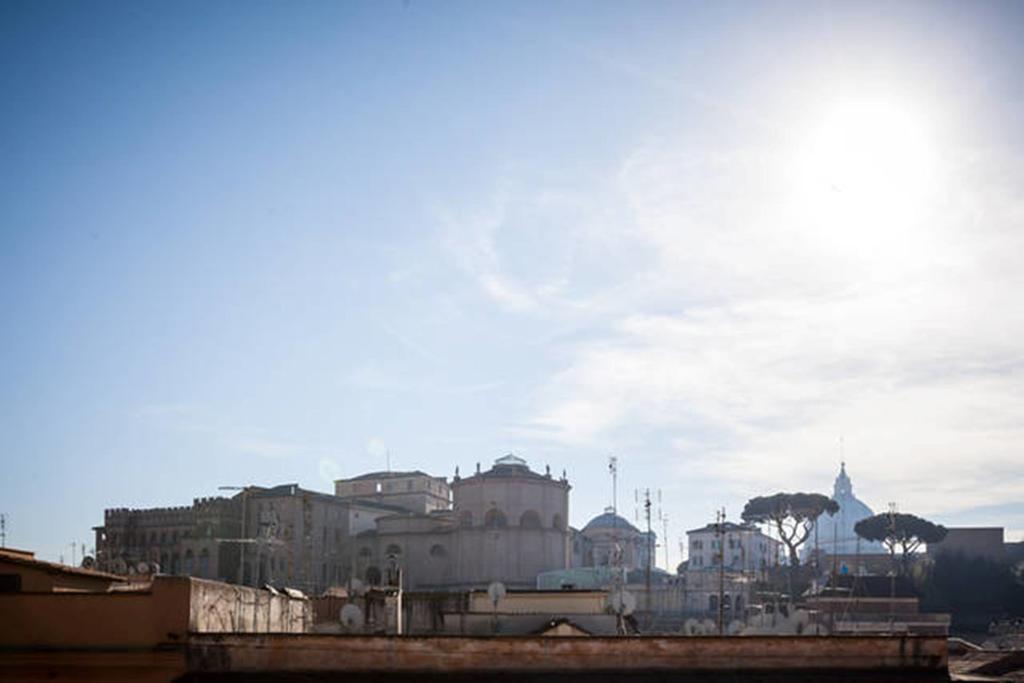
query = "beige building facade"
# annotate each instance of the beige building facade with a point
(505, 524)
(415, 491)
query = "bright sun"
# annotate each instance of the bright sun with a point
(863, 174)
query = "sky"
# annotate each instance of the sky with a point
(730, 243)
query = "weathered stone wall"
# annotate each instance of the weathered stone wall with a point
(225, 608)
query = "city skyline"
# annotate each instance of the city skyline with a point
(268, 244)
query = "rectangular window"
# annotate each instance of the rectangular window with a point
(10, 583)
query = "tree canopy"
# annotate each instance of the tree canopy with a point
(792, 514)
(898, 530)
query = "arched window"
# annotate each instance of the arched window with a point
(529, 520)
(438, 551)
(558, 523)
(393, 550)
(204, 563)
(373, 576)
(189, 562)
(495, 519)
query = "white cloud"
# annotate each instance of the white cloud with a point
(751, 334)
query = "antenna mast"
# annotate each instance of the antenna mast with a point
(3, 531)
(613, 469)
(650, 550)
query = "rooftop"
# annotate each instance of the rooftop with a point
(726, 527)
(28, 559)
(390, 475)
(609, 520)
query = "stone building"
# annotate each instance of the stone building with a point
(415, 491)
(506, 524)
(283, 535)
(725, 562)
(741, 547)
(184, 540)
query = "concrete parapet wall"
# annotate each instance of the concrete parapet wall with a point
(166, 612)
(88, 620)
(216, 607)
(385, 655)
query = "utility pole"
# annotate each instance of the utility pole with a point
(720, 533)
(650, 550)
(664, 530)
(613, 469)
(3, 531)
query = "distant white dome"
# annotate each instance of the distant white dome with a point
(835, 532)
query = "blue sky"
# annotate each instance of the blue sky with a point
(273, 242)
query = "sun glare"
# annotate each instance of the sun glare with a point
(864, 173)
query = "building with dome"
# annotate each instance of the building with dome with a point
(606, 532)
(835, 534)
(505, 524)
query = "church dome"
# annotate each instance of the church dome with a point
(836, 532)
(609, 520)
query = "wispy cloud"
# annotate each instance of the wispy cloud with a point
(750, 334)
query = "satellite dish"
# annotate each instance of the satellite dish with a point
(88, 562)
(692, 627)
(142, 568)
(622, 602)
(357, 587)
(351, 616)
(154, 567)
(496, 591)
(735, 627)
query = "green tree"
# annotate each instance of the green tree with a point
(792, 514)
(900, 531)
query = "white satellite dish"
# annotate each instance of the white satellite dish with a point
(622, 602)
(496, 591)
(142, 568)
(735, 627)
(692, 627)
(357, 587)
(155, 567)
(351, 617)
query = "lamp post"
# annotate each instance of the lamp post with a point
(241, 545)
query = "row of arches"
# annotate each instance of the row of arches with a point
(189, 564)
(496, 519)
